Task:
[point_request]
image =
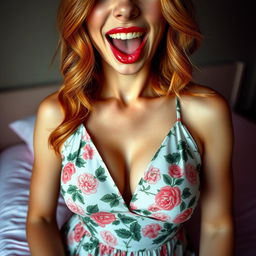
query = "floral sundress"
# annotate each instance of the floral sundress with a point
(165, 197)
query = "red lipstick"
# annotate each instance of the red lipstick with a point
(127, 58)
(126, 30)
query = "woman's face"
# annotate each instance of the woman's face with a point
(126, 33)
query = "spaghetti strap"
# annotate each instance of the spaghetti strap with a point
(178, 109)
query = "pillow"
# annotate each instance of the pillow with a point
(24, 128)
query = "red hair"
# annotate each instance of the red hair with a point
(80, 62)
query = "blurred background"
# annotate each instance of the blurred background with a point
(29, 39)
(226, 61)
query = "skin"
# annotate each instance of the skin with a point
(132, 141)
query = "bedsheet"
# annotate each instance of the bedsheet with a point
(15, 172)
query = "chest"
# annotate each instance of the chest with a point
(128, 140)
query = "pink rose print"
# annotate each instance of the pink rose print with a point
(105, 249)
(70, 238)
(168, 197)
(86, 137)
(133, 206)
(164, 251)
(182, 217)
(153, 208)
(152, 176)
(191, 174)
(88, 152)
(109, 238)
(87, 183)
(103, 218)
(67, 172)
(79, 232)
(151, 230)
(160, 216)
(175, 171)
(74, 208)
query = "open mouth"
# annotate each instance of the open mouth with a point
(127, 43)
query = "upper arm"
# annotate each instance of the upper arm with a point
(217, 136)
(44, 188)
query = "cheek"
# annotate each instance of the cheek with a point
(153, 10)
(96, 18)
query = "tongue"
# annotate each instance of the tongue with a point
(127, 46)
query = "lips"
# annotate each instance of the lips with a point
(127, 43)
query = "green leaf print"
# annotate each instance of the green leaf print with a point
(62, 191)
(72, 189)
(168, 226)
(75, 193)
(178, 181)
(93, 223)
(182, 206)
(125, 219)
(109, 197)
(182, 145)
(92, 230)
(172, 131)
(82, 144)
(123, 233)
(92, 208)
(100, 174)
(160, 239)
(88, 246)
(157, 153)
(167, 179)
(80, 197)
(173, 158)
(192, 202)
(184, 155)
(146, 212)
(116, 222)
(135, 230)
(112, 199)
(189, 153)
(72, 156)
(186, 193)
(114, 203)
(80, 162)
(74, 196)
(95, 242)
(97, 251)
(134, 198)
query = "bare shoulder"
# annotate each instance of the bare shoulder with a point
(50, 112)
(209, 104)
(208, 113)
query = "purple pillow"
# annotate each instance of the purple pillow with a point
(24, 128)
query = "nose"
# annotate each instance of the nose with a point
(126, 10)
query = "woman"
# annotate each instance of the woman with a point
(127, 136)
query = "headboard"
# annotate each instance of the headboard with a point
(17, 104)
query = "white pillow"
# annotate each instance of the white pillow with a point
(24, 128)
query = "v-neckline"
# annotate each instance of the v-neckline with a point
(127, 205)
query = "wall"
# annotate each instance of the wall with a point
(29, 39)
(228, 28)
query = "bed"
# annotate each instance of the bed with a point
(18, 109)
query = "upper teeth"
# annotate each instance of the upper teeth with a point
(125, 36)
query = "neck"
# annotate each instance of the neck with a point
(125, 88)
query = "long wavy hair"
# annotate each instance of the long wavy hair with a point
(80, 62)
